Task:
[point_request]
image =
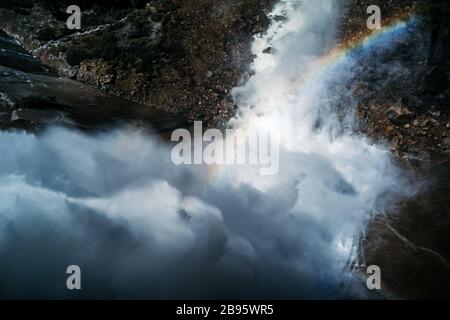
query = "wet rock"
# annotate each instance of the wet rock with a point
(38, 116)
(268, 50)
(5, 101)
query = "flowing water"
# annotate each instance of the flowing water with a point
(139, 226)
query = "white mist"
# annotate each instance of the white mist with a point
(140, 226)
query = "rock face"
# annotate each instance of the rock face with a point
(180, 56)
(436, 82)
(404, 102)
(412, 246)
(13, 56)
(32, 97)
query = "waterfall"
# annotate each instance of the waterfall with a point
(141, 227)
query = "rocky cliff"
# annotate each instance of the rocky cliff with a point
(179, 56)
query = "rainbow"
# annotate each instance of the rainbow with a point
(340, 54)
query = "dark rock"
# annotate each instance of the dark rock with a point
(145, 53)
(400, 114)
(38, 116)
(268, 50)
(5, 118)
(436, 81)
(413, 103)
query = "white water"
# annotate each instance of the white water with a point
(115, 205)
